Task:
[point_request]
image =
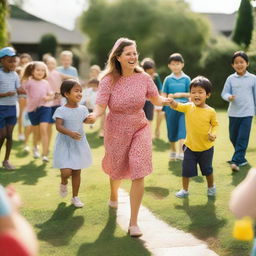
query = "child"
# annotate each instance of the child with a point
(9, 86)
(240, 91)
(39, 95)
(149, 67)
(94, 71)
(176, 85)
(66, 58)
(201, 127)
(72, 151)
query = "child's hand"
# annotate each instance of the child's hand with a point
(91, 118)
(170, 95)
(75, 135)
(211, 137)
(231, 98)
(11, 93)
(57, 95)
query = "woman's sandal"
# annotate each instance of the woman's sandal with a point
(134, 231)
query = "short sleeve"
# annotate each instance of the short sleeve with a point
(151, 88)
(104, 91)
(85, 111)
(58, 113)
(5, 206)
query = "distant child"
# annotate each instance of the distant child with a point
(176, 85)
(240, 91)
(39, 97)
(90, 94)
(201, 125)
(66, 68)
(72, 151)
(149, 67)
(9, 87)
(94, 72)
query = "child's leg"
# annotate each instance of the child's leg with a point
(76, 180)
(210, 181)
(2, 136)
(22, 105)
(114, 186)
(185, 183)
(65, 174)
(159, 118)
(9, 131)
(44, 137)
(49, 130)
(28, 130)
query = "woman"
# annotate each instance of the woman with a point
(124, 88)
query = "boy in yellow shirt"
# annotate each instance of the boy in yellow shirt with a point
(201, 126)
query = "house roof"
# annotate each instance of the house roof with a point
(222, 22)
(25, 28)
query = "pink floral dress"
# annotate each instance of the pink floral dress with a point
(127, 135)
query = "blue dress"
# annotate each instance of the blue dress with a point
(70, 153)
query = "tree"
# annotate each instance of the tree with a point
(244, 24)
(160, 27)
(3, 26)
(47, 44)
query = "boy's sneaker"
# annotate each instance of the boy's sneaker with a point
(211, 191)
(63, 191)
(8, 166)
(76, 202)
(182, 193)
(45, 159)
(172, 156)
(234, 167)
(36, 153)
(180, 156)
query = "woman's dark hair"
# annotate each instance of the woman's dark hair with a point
(203, 82)
(67, 85)
(175, 57)
(240, 54)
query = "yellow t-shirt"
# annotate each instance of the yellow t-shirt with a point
(199, 122)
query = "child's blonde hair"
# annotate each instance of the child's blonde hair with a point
(66, 53)
(30, 67)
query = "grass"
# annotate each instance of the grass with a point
(64, 230)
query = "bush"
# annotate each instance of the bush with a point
(48, 44)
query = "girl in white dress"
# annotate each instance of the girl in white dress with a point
(72, 151)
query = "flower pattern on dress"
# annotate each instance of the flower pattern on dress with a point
(127, 136)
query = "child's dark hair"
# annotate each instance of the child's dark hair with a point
(240, 54)
(175, 57)
(203, 82)
(67, 85)
(93, 81)
(148, 63)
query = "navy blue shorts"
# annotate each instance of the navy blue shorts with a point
(8, 115)
(53, 109)
(40, 115)
(192, 158)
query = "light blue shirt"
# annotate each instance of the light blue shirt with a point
(9, 81)
(173, 84)
(244, 90)
(5, 206)
(70, 71)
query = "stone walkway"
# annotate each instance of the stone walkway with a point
(158, 237)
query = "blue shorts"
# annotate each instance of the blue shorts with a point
(40, 115)
(192, 158)
(53, 109)
(8, 115)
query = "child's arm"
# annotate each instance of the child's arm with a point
(173, 103)
(60, 128)
(98, 111)
(212, 134)
(7, 94)
(227, 91)
(49, 97)
(181, 95)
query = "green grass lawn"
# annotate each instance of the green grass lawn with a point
(63, 230)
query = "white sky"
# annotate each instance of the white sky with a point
(64, 12)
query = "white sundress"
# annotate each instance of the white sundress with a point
(70, 153)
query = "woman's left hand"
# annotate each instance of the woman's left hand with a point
(91, 118)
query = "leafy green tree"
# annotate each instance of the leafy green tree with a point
(244, 24)
(47, 44)
(3, 26)
(160, 27)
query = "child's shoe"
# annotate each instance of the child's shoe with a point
(182, 193)
(21, 137)
(180, 156)
(76, 202)
(8, 166)
(234, 167)
(134, 231)
(211, 191)
(63, 191)
(26, 149)
(36, 153)
(45, 159)
(112, 204)
(172, 156)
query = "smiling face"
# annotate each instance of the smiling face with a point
(75, 94)
(39, 72)
(9, 63)
(240, 65)
(128, 59)
(198, 96)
